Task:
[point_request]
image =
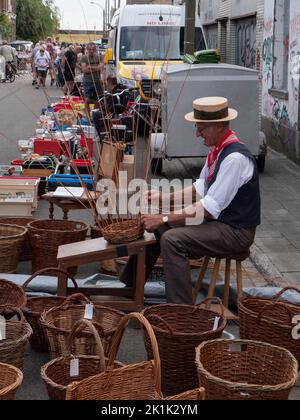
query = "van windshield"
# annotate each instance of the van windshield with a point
(150, 43)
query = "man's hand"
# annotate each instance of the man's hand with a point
(152, 223)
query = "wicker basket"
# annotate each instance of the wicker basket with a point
(141, 381)
(245, 370)
(26, 254)
(123, 232)
(46, 236)
(179, 329)
(11, 295)
(12, 349)
(56, 374)
(270, 321)
(11, 244)
(58, 323)
(11, 379)
(194, 395)
(37, 305)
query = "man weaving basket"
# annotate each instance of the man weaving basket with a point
(226, 203)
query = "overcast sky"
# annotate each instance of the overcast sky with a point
(80, 14)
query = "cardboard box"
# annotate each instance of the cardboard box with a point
(128, 165)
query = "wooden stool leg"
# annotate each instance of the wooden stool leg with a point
(239, 279)
(200, 278)
(213, 282)
(227, 283)
(140, 280)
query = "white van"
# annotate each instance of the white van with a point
(144, 41)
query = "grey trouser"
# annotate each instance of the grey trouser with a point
(179, 244)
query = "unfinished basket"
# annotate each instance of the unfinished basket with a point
(56, 374)
(245, 370)
(270, 321)
(37, 305)
(141, 381)
(123, 232)
(179, 329)
(26, 254)
(11, 379)
(46, 236)
(58, 323)
(11, 244)
(11, 295)
(12, 348)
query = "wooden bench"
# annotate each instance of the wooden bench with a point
(97, 250)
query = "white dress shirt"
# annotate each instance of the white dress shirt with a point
(235, 171)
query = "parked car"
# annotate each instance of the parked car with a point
(24, 50)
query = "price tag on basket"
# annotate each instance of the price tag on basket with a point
(2, 328)
(74, 368)
(216, 323)
(89, 311)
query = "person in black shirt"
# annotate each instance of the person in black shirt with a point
(69, 65)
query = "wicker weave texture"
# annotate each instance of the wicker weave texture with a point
(123, 232)
(58, 323)
(11, 244)
(46, 236)
(11, 294)
(270, 321)
(245, 370)
(179, 329)
(11, 379)
(141, 381)
(12, 349)
(26, 254)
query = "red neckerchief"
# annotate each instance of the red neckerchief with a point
(229, 138)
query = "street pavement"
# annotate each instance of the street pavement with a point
(275, 257)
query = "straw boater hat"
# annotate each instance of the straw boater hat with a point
(212, 109)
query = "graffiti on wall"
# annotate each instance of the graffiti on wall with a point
(246, 42)
(282, 127)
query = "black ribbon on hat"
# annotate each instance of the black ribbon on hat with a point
(209, 116)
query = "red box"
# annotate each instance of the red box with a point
(47, 147)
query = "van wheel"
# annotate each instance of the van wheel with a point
(156, 166)
(261, 163)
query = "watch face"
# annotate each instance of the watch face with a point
(165, 219)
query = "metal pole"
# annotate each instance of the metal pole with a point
(189, 33)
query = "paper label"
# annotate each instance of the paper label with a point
(74, 368)
(216, 323)
(2, 328)
(89, 311)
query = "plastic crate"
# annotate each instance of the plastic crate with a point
(83, 166)
(55, 181)
(18, 186)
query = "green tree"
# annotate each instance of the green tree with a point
(5, 26)
(36, 19)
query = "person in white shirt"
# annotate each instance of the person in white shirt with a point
(42, 64)
(10, 55)
(226, 207)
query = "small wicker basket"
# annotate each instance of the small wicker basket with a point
(26, 254)
(12, 240)
(11, 379)
(11, 295)
(123, 232)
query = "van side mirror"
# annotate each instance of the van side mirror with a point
(108, 56)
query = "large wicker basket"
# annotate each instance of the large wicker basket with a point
(11, 379)
(11, 244)
(12, 349)
(46, 236)
(179, 329)
(11, 295)
(37, 305)
(245, 370)
(123, 232)
(58, 323)
(56, 374)
(26, 254)
(270, 321)
(141, 381)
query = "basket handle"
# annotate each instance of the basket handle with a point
(116, 344)
(77, 329)
(218, 300)
(76, 299)
(285, 290)
(11, 310)
(46, 270)
(267, 307)
(158, 318)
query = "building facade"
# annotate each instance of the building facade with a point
(7, 19)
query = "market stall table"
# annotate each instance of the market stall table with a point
(68, 204)
(97, 250)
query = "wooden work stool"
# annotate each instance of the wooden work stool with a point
(213, 282)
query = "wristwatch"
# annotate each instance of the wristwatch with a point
(166, 221)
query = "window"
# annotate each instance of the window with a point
(246, 42)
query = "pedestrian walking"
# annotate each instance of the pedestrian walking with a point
(42, 65)
(69, 67)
